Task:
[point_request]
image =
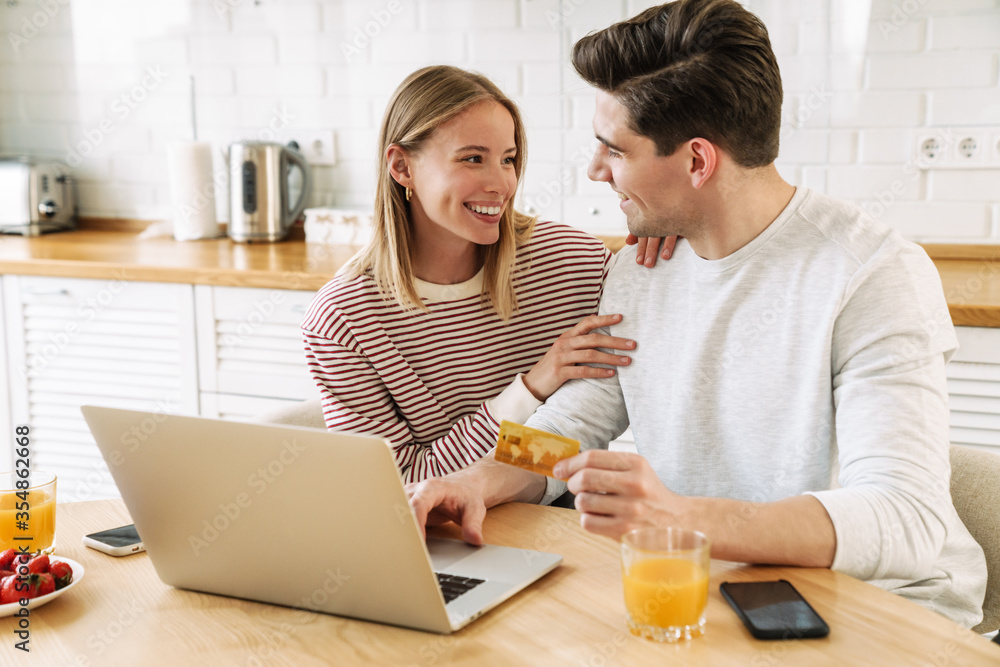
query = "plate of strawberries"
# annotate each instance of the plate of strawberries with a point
(46, 579)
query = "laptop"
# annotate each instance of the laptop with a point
(299, 517)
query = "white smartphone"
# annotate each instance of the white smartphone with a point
(120, 541)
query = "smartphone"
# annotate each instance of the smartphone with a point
(773, 610)
(120, 541)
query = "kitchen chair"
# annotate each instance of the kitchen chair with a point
(975, 490)
(303, 413)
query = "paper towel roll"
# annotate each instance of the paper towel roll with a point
(192, 190)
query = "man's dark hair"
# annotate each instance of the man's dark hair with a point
(692, 68)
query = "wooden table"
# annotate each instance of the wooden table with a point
(121, 614)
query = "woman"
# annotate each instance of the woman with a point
(444, 324)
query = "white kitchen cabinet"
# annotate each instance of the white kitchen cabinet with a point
(250, 353)
(7, 458)
(974, 388)
(73, 342)
(237, 407)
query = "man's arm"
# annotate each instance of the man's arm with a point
(890, 345)
(618, 491)
(889, 518)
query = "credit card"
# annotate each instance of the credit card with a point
(532, 449)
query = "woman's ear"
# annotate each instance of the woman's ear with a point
(398, 160)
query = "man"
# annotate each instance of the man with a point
(789, 334)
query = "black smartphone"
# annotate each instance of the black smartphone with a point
(773, 610)
(121, 541)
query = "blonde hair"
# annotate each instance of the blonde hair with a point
(425, 100)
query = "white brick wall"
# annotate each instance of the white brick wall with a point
(861, 84)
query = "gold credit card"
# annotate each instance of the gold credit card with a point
(532, 449)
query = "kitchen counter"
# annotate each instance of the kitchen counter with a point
(970, 273)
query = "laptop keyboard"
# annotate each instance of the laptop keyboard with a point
(453, 585)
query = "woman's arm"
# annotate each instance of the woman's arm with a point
(356, 398)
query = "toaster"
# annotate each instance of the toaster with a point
(35, 197)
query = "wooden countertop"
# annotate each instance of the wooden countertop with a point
(970, 273)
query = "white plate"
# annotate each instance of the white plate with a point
(11, 608)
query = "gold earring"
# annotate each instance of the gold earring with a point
(409, 193)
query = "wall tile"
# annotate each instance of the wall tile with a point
(545, 78)
(284, 80)
(59, 108)
(959, 32)
(814, 178)
(139, 167)
(886, 37)
(847, 73)
(233, 49)
(42, 49)
(461, 15)
(33, 78)
(276, 17)
(372, 19)
(529, 45)
(803, 72)
(422, 48)
(29, 138)
(965, 107)
(885, 146)
(965, 185)
(930, 71)
(804, 146)
(381, 79)
(843, 146)
(857, 182)
(876, 109)
(930, 220)
(814, 38)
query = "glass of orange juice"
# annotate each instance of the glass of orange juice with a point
(28, 515)
(665, 573)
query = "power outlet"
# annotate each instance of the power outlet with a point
(971, 150)
(315, 145)
(958, 148)
(930, 150)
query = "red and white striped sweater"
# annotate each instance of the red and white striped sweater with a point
(437, 384)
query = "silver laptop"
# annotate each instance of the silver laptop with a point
(298, 517)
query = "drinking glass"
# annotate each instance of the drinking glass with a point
(28, 515)
(665, 575)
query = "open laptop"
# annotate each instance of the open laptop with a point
(299, 517)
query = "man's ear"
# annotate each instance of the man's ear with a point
(398, 160)
(704, 159)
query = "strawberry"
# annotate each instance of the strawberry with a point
(8, 591)
(39, 564)
(19, 560)
(6, 558)
(62, 573)
(6, 573)
(39, 584)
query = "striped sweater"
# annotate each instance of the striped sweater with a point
(436, 384)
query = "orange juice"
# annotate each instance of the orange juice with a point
(665, 592)
(41, 522)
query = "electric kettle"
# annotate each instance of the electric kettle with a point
(259, 209)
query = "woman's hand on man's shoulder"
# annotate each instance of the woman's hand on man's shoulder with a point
(648, 249)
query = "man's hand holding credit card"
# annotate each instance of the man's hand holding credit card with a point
(531, 449)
